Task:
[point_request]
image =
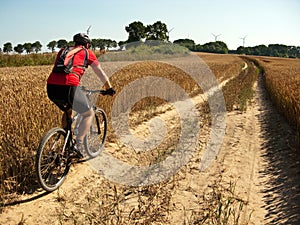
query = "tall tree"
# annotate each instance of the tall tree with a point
(157, 31)
(19, 48)
(61, 43)
(100, 44)
(7, 47)
(94, 43)
(136, 31)
(28, 47)
(51, 45)
(110, 43)
(37, 46)
(121, 43)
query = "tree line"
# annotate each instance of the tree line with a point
(52, 45)
(276, 50)
(213, 47)
(137, 31)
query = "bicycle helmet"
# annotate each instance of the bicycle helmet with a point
(81, 39)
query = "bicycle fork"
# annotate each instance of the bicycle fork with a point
(67, 139)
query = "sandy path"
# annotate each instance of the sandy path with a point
(279, 172)
(257, 155)
(239, 162)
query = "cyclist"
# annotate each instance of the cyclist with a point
(62, 88)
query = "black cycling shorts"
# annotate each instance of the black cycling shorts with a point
(68, 97)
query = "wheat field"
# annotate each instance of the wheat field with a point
(26, 114)
(282, 79)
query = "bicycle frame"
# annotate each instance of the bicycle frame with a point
(68, 140)
(55, 152)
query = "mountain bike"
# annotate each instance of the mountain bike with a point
(56, 152)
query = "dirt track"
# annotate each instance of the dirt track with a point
(257, 154)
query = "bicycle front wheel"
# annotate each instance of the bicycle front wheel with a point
(95, 139)
(52, 165)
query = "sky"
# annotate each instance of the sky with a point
(259, 21)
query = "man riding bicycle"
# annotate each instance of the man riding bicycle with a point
(62, 86)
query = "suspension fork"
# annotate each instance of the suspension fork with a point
(67, 142)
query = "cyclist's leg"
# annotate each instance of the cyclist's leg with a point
(83, 129)
(82, 105)
(66, 115)
(59, 94)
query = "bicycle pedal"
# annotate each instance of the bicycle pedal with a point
(79, 156)
(76, 154)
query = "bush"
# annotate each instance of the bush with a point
(26, 60)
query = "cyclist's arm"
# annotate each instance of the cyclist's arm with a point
(102, 75)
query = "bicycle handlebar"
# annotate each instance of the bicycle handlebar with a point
(103, 92)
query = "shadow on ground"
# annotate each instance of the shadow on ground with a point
(282, 155)
(29, 199)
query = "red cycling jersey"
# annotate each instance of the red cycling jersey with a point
(72, 79)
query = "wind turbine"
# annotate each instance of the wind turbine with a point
(243, 38)
(169, 31)
(88, 30)
(216, 36)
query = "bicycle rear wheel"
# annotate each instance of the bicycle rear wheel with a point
(51, 166)
(95, 139)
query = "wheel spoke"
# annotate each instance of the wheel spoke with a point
(51, 165)
(95, 139)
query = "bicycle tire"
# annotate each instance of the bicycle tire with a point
(95, 139)
(51, 166)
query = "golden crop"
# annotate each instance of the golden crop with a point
(223, 66)
(26, 112)
(282, 78)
